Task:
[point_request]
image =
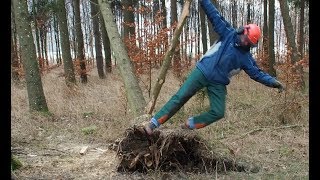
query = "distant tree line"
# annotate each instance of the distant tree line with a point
(73, 33)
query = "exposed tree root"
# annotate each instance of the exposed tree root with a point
(175, 150)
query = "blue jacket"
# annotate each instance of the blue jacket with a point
(226, 58)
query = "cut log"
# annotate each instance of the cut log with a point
(175, 150)
(84, 150)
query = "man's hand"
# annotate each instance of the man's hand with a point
(278, 85)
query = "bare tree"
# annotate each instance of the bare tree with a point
(212, 34)
(265, 30)
(168, 57)
(271, 52)
(65, 43)
(135, 97)
(36, 97)
(176, 55)
(294, 55)
(80, 43)
(57, 40)
(128, 18)
(203, 27)
(97, 38)
(106, 45)
(14, 49)
(301, 28)
(164, 24)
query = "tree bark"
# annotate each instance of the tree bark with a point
(164, 25)
(176, 55)
(97, 38)
(294, 55)
(134, 93)
(203, 27)
(271, 55)
(80, 47)
(65, 44)
(106, 45)
(265, 38)
(14, 49)
(212, 34)
(234, 9)
(288, 27)
(36, 97)
(128, 18)
(301, 28)
(57, 40)
(168, 56)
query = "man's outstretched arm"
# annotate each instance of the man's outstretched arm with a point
(221, 26)
(258, 75)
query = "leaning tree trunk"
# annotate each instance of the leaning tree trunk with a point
(37, 100)
(134, 93)
(168, 56)
(65, 44)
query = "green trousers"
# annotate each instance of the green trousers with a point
(195, 82)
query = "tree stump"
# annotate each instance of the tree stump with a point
(171, 150)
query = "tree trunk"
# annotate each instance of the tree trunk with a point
(168, 56)
(164, 26)
(45, 49)
(37, 35)
(301, 27)
(203, 27)
(65, 44)
(106, 45)
(128, 19)
(14, 60)
(212, 34)
(14, 50)
(294, 55)
(176, 55)
(134, 93)
(271, 55)
(80, 47)
(289, 30)
(265, 40)
(97, 38)
(248, 13)
(36, 97)
(234, 13)
(57, 40)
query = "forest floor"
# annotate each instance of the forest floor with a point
(260, 125)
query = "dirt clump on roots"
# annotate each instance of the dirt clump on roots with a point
(170, 150)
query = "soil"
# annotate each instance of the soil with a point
(248, 144)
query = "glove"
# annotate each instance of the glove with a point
(278, 85)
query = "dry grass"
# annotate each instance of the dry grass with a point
(258, 125)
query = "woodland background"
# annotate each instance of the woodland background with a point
(74, 84)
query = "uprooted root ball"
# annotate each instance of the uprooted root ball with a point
(172, 150)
